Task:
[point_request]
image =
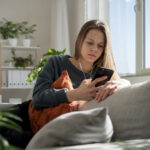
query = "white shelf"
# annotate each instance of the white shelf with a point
(18, 68)
(19, 47)
(20, 88)
(9, 73)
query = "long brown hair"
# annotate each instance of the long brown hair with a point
(106, 59)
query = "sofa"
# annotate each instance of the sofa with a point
(120, 122)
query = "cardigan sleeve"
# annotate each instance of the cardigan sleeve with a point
(43, 95)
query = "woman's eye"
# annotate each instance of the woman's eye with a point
(89, 43)
(100, 46)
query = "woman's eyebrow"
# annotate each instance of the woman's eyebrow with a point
(101, 43)
(93, 40)
(90, 39)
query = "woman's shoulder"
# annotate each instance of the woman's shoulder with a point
(59, 57)
(58, 60)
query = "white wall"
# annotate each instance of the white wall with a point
(43, 13)
(33, 11)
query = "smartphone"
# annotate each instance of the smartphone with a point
(102, 71)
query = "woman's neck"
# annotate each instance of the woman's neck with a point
(82, 65)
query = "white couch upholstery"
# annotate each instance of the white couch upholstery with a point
(129, 112)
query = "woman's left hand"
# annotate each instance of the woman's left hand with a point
(109, 88)
(77, 105)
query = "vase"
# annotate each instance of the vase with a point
(3, 42)
(26, 42)
(13, 42)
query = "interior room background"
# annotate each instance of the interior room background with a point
(58, 23)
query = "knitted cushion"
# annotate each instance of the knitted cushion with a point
(38, 118)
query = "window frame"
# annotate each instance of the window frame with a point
(139, 36)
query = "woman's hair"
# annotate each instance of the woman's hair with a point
(106, 59)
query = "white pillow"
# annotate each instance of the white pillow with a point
(74, 128)
(129, 110)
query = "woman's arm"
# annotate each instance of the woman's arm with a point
(43, 95)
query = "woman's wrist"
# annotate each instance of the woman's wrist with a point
(72, 95)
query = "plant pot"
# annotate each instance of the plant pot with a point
(3, 42)
(13, 42)
(26, 42)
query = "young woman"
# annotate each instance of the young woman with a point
(92, 49)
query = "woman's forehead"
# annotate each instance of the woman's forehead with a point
(95, 35)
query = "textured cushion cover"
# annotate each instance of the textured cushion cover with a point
(141, 144)
(129, 111)
(74, 128)
(38, 118)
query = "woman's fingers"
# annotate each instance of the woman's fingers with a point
(97, 80)
(108, 92)
(74, 105)
(105, 90)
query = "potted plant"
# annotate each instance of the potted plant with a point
(7, 120)
(10, 30)
(27, 32)
(20, 61)
(36, 70)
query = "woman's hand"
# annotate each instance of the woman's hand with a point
(109, 88)
(86, 91)
(77, 105)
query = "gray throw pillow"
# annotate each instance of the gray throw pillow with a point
(129, 110)
(74, 128)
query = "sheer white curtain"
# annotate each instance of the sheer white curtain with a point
(123, 34)
(97, 9)
(120, 17)
(59, 31)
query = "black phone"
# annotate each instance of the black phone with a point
(102, 71)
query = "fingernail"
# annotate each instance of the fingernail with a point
(105, 77)
(98, 100)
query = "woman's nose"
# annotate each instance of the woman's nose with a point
(94, 48)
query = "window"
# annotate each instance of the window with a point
(122, 31)
(129, 23)
(147, 33)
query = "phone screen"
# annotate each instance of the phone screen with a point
(102, 71)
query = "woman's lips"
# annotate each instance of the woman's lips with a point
(92, 55)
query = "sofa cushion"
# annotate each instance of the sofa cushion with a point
(129, 110)
(141, 144)
(74, 128)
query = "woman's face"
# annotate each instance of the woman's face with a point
(93, 46)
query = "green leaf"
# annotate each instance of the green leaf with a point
(7, 109)
(10, 115)
(3, 143)
(11, 147)
(9, 126)
(8, 121)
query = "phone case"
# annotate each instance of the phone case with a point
(102, 71)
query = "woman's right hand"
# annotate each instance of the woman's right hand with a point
(86, 91)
